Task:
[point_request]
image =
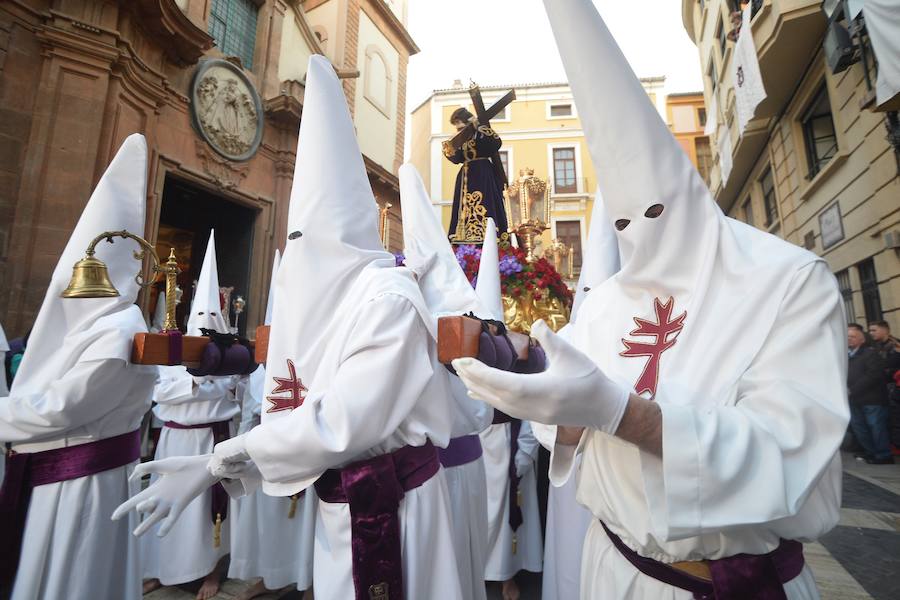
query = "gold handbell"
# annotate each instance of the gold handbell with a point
(90, 279)
(293, 509)
(217, 531)
(515, 543)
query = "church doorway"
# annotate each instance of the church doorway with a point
(187, 214)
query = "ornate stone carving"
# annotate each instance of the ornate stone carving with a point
(226, 109)
(225, 174)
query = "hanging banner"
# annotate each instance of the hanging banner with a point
(748, 84)
(883, 25)
(712, 114)
(723, 140)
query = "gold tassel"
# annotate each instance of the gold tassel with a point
(515, 543)
(519, 497)
(217, 531)
(293, 509)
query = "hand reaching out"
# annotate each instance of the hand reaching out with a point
(180, 480)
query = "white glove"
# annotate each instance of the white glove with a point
(230, 458)
(181, 480)
(572, 391)
(524, 463)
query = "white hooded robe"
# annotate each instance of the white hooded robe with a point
(76, 385)
(187, 552)
(752, 380)
(447, 292)
(356, 331)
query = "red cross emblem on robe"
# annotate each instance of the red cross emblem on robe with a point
(664, 332)
(291, 384)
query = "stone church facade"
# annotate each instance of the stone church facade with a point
(216, 86)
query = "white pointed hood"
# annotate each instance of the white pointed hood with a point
(601, 257)
(332, 231)
(270, 301)
(159, 313)
(71, 329)
(332, 227)
(429, 254)
(487, 286)
(720, 274)
(206, 309)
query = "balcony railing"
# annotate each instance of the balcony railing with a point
(581, 187)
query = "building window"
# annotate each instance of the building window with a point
(722, 35)
(869, 284)
(232, 23)
(843, 279)
(704, 158)
(378, 82)
(701, 117)
(504, 160)
(560, 111)
(770, 203)
(818, 133)
(569, 233)
(748, 212)
(683, 119)
(564, 176)
(503, 115)
(713, 76)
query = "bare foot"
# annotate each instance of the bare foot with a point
(510, 590)
(150, 585)
(257, 589)
(210, 586)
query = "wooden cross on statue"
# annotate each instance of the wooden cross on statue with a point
(484, 117)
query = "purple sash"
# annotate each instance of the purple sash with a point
(460, 451)
(25, 471)
(374, 488)
(738, 577)
(500, 417)
(218, 509)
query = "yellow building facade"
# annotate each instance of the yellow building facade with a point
(686, 116)
(540, 131)
(814, 165)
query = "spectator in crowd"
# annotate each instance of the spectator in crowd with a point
(868, 398)
(889, 348)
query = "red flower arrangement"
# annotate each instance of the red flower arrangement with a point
(517, 275)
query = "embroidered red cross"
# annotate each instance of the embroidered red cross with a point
(287, 384)
(661, 330)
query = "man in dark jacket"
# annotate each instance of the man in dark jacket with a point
(889, 348)
(868, 398)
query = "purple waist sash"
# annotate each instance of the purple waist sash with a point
(373, 488)
(218, 509)
(460, 451)
(738, 577)
(501, 417)
(25, 471)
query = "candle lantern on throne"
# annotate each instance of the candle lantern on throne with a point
(528, 209)
(541, 293)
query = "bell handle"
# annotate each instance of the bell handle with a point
(139, 255)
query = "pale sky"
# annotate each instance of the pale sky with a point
(509, 42)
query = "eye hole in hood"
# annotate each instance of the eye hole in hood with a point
(654, 211)
(622, 224)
